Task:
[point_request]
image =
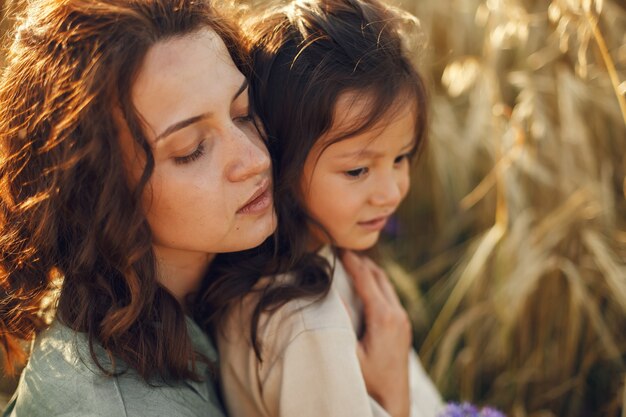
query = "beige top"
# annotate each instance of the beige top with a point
(425, 399)
(309, 367)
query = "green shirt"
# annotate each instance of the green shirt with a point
(61, 379)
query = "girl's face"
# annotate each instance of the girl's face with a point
(211, 190)
(354, 185)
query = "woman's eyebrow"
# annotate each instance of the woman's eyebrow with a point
(195, 119)
(242, 88)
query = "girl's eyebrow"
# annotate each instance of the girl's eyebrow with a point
(195, 119)
(368, 153)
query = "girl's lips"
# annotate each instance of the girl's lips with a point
(259, 202)
(376, 224)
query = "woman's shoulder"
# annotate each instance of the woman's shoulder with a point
(61, 348)
(61, 377)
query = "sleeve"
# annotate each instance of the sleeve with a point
(425, 399)
(318, 374)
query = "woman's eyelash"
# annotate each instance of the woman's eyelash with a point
(197, 153)
(246, 118)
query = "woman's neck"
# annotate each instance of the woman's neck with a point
(181, 272)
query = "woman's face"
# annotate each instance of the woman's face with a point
(211, 190)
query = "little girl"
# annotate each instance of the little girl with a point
(344, 112)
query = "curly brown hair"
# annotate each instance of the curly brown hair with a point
(66, 208)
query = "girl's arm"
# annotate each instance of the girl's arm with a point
(383, 350)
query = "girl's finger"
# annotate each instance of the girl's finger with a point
(383, 282)
(365, 285)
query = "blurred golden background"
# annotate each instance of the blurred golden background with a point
(514, 238)
(510, 252)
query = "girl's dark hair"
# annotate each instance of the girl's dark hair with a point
(304, 57)
(67, 213)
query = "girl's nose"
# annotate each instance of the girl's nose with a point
(388, 191)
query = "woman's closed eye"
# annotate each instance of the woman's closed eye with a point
(246, 118)
(186, 159)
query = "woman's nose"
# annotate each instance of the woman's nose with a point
(248, 157)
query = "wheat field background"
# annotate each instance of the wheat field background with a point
(510, 253)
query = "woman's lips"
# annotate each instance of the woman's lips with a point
(260, 201)
(376, 224)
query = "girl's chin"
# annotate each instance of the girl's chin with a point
(360, 244)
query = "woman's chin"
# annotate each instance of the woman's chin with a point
(258, 233)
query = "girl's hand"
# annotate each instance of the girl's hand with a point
(383, 350)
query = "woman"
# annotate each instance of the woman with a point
(128, 160)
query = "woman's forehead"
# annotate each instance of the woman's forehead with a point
(185, 77)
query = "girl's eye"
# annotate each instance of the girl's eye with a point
(197, 153)
(357, 173)
(401, 158)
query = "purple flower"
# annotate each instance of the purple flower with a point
(491, 412)
(468, 410)
(392, 228)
